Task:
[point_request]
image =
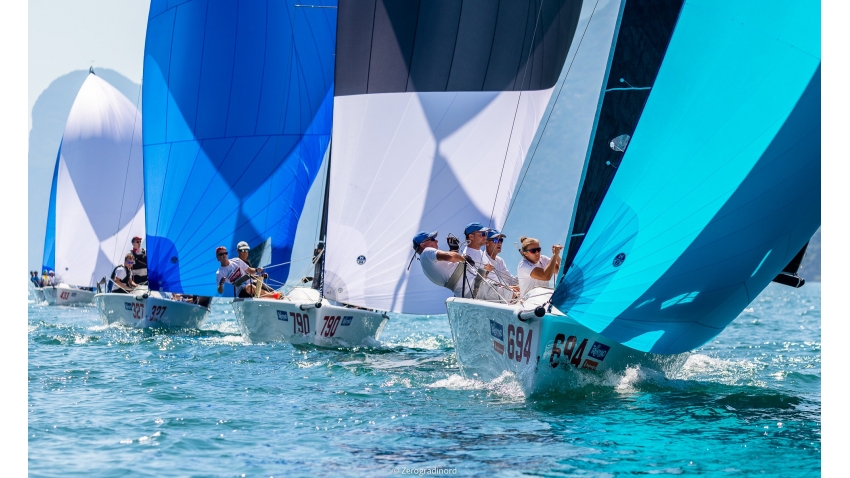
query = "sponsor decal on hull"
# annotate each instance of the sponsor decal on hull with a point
(498, 347)
(599, 351)
(282, 315)
(346, 321)
(590, 364)
(496, 330)
(128, 306)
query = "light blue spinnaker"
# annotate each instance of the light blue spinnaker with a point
(238, 103)
(720, 185)
(48, 259)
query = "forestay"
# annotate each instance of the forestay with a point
(238, 100)
(719, 186)
(437, 105)
(99, 204)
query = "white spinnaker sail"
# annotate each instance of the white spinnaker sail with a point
(403, 162)
(100, 188)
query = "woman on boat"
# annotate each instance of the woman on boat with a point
(535, 269)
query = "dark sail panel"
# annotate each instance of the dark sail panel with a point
(452, 45)
(644, 34)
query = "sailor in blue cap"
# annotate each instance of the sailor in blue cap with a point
(440, 267)
(476, 237)
(481, 266)
(500, 274)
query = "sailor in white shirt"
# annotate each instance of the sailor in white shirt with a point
(484, 288)
(535, 269)
(231, 271)
(500, 274)
(440, 267)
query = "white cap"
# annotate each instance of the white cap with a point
(242, 245)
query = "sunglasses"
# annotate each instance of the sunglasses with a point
(497, 240)
(137, 242)
(221, 254)
(130, 262)
(244, 250)
(534, 250)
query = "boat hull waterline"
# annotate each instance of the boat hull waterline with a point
(67, 296)
(545, 354)
(295, 319)
(144, 312)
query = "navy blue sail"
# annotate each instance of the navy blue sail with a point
(238, 106)
(718, 188)
(48, 259)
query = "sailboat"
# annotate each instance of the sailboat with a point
(95, 200)
(700, 185)
(418, 121)
(238, 103)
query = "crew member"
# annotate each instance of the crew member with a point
(140, 267)
(440, 267)
(500, 274)
(122, 280)
(232, 270)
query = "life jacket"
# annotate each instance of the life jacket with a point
(116, 270)
(140, 266)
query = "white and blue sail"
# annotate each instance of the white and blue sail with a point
(437, 106)
(96, 200)
(238, 101)
(48, 258)
(695, 197)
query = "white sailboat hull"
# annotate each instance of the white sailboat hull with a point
(547, 354)
(137, 311)
(272, 320)
(65, 295)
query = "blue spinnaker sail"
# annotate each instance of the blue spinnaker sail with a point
(48, 260)
(238, 102)
(719, 187)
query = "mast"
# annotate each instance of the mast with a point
(319, 271)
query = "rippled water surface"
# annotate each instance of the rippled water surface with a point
(105, 401)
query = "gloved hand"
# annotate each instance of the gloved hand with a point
(454, 244)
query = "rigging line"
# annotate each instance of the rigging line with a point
(288, 262)
(127, 171)
(516, 110)
(531, 159)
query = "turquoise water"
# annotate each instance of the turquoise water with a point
(105, 401)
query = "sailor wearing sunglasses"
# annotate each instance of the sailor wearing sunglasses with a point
(500, 272)
(535, 269)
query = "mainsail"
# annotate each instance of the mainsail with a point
(97, 200)
(436, 107)
(238, 101)
(719, 186)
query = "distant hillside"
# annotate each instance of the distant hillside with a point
(810, 267)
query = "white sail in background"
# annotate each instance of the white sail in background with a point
(99, 188)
